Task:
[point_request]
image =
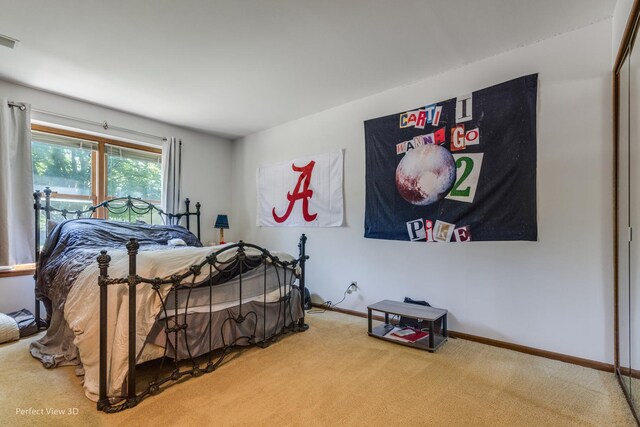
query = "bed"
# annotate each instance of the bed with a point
(121, 294)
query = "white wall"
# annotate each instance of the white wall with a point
(205, 160)
(555, 294)
(16, 293)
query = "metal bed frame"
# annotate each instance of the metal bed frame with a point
(120, 205)
(176, 319)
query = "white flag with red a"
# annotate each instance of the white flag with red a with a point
(305, 192)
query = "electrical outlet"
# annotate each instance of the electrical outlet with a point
(353, 287)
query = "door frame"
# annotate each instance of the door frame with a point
(626, 44)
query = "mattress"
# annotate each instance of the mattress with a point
(279, 314)
(224, 295)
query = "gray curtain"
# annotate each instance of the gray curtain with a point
(171, 176)
(16, 185)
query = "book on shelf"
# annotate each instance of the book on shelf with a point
(406, 334)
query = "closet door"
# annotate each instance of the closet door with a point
(634, 223)
(624, 300)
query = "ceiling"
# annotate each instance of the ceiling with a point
(235, 67)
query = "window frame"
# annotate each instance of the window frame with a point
(98, 178)
(98, 165)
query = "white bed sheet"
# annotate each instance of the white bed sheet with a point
(82, 309)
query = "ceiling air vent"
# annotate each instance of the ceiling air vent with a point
(8, 41)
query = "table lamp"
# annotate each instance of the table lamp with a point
(222, 222)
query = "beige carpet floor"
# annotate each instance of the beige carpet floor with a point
(334, 374)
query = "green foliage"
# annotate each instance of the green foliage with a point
(135, 177)
(64, 169)
(67, 170)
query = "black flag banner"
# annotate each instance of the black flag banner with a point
(459, 170)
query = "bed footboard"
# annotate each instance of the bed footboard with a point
(176, 327)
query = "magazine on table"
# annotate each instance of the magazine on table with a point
(406, 334)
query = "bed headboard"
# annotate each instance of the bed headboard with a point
(131, 207)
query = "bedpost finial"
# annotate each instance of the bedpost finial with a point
(132, 246)
(36, 201)
(103, 259)
(198, 206)
(47, 191)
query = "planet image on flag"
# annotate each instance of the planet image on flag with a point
(425, 174)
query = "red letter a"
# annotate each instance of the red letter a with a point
(305, 194)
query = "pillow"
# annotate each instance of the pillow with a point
(9, 330)
(176, 242)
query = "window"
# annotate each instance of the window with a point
(84, 170)
(133, 173)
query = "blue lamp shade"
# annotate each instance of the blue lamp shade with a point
(222, 222)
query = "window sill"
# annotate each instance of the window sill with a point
(22, 270)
